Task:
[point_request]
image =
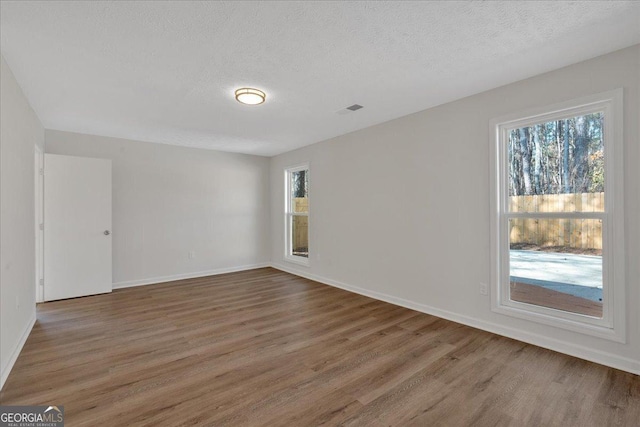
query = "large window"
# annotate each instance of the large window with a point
(297, 214)
(557, 216)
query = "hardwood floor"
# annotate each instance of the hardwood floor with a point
(264, 347)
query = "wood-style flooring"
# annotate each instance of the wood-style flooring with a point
(265, 348)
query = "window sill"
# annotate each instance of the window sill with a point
(526, 313)
(297, 260)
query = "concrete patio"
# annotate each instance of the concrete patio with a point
(578, 275)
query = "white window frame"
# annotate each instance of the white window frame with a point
(613, 323)
(289, 214)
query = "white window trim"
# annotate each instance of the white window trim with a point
(288, 215)
(613, 324)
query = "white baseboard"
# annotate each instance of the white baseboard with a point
(597, 356)
(16, 351)
(162, 279)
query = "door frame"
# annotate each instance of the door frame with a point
(39, 222)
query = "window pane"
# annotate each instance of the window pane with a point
(557, 263)
(557, 166)
(300, 191)
(300, 205)
(300, 236)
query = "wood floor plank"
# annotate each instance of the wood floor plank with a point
(263, 347)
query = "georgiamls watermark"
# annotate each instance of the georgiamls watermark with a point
(31, 416)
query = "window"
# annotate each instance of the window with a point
(557, 224)
(297, 214)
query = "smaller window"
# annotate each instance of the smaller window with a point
(297, 214)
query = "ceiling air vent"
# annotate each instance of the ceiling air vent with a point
(354, 107)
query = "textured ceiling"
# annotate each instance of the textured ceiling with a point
(166, 71)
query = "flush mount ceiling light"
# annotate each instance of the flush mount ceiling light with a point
(250, 96)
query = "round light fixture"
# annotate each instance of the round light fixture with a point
(250, 96)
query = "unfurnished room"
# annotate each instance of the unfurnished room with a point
(304, 213)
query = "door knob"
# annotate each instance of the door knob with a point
(107, 232)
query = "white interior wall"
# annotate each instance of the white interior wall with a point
(169, 201)
(20, 132)
(391, 217)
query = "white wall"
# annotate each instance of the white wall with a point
(391, 218)
(20, 132)
(168, 201)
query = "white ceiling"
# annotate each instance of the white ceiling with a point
(166, 71)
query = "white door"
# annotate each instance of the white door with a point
(77, 226)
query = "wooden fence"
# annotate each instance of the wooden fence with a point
(574, 233)
(300, 225)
